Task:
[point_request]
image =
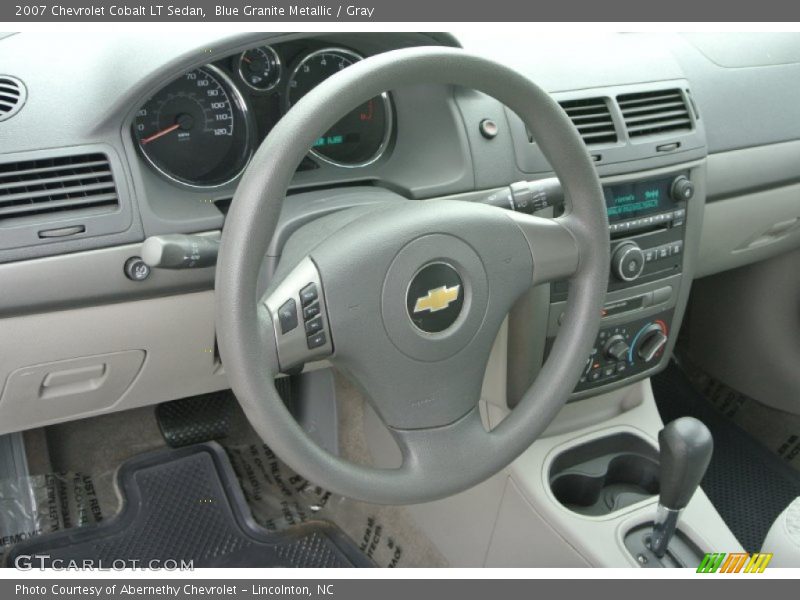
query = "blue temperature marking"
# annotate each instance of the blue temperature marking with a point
(635, 339)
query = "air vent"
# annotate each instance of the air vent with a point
(651, 113)
(12, 96)
(57, 187)
(592, 119)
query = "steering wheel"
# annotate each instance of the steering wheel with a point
(406, 298)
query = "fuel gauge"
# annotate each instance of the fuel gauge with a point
(260, 68)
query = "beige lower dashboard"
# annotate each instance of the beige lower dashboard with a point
(69, 364)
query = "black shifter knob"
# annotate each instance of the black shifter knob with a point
(685, 447)
(685, 451)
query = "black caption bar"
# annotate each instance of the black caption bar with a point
(397, 11)
(396, 589)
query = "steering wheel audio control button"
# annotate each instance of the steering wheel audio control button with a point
(317, 340)
(298, 342)
(287, 315)
(313, 326)
(308, 294)
(309, 312)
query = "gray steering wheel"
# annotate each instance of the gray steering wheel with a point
(407, 299)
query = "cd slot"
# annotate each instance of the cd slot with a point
(633, 232)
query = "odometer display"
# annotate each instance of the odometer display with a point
(359, 138)
(196, 129)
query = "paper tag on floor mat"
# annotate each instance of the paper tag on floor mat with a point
(280, 498)
(44, 503)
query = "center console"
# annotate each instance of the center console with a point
(596, 476)
(650, 219)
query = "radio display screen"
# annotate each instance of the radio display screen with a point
(632, 200)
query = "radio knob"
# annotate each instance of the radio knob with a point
(682, 189)
(627, 263)
(653, 339)
(616, 348)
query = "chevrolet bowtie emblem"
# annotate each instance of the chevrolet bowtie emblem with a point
(437, 299)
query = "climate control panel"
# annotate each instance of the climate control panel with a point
(621, 351)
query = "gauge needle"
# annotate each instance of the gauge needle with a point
(157, 135)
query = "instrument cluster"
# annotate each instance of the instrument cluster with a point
(201, 129)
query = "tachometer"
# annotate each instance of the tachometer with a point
(196, 130)
(361, 137)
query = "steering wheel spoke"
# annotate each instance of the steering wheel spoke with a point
(553, 245)
(299, 317)
(438, 451)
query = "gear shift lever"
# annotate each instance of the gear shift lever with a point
(685, 451)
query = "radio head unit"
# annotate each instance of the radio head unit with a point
(646, 230)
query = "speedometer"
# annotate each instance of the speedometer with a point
(360, 137)
(196, 130)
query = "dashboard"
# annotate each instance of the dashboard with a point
(153, 137)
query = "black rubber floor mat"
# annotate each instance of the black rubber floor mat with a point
(186, 504)
(748, 485)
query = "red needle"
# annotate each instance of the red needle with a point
(155, 136)
(247, 60)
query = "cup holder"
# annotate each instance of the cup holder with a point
(604, 475)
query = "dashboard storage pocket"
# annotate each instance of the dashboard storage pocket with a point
(605, 475)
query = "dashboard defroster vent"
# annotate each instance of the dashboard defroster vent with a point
(12, 96)
(592, 119)
(57, 186)
(654, 112)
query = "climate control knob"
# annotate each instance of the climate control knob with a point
(627, 262)
(616, 348)
(651, 341)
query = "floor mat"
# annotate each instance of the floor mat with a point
(186, 505)
(748, 484)
(74, 466)
(280, 498)
(777, 430)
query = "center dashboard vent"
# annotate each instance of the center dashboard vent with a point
(57, 186)
(654, 112)
(592, 119)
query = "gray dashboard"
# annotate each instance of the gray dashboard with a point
(88, 96)
(732, 125)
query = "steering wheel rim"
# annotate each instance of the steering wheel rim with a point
(445, 450)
